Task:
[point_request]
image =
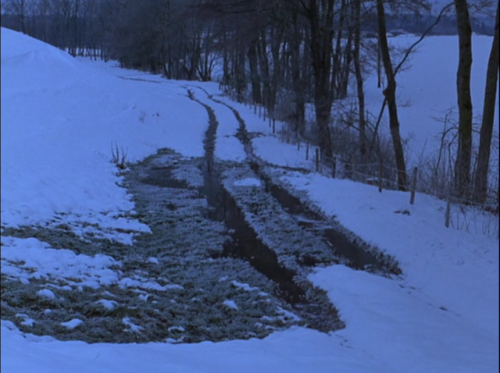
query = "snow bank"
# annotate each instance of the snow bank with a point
(60, 121)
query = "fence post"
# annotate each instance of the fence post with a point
(317, 160)
(413, 185)
(380, 174)
(307, 150)
(274, 125)
(334, 166)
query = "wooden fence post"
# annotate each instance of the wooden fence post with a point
(307, 150)
(380, 174)
(317, 160)
(413, 185)
(274, 125)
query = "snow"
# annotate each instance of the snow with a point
(59, 118)
(227, 146)
(426, 88)
(413, 328)
(72, 324)
(230, 304)
(75, 165)
(288, 314)
(242, 286)
(46, 293)
(434, 259)
(27, 320)
(108, 304)
(130, 325)
(249, 181)
(283, 154)
(177, 328)
(42, 261)
(153, 260)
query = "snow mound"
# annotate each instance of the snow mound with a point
(60, 119)
(30, 65)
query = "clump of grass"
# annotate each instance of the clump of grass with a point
(118, 156)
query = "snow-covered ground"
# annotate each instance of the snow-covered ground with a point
(60, 119)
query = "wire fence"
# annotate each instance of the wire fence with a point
(460, 213)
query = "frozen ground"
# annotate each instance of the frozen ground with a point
(60, 118)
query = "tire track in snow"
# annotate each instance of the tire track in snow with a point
(352, 250)
(266, 236)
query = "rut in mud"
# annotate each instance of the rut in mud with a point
(277, 233)
(279, 266)
(349, 248)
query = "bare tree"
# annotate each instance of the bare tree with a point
(320, 14)
(359, 78)
(464, 152)
(19, 9)
(390, 96)
(299, 68)
(481, 175)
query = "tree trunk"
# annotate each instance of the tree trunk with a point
(265, 71)
(297, 77)
(481, 176)
(359, 78)
(276, 42)
(254, 75)
(321, 22)
(463, 163)
(240, 75)
(390, 95)
(336, 70)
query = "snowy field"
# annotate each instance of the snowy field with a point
(60, 117)
(426, 89)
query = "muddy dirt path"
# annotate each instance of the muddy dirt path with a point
(278, 233)
(350, 249)
(225, 259)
